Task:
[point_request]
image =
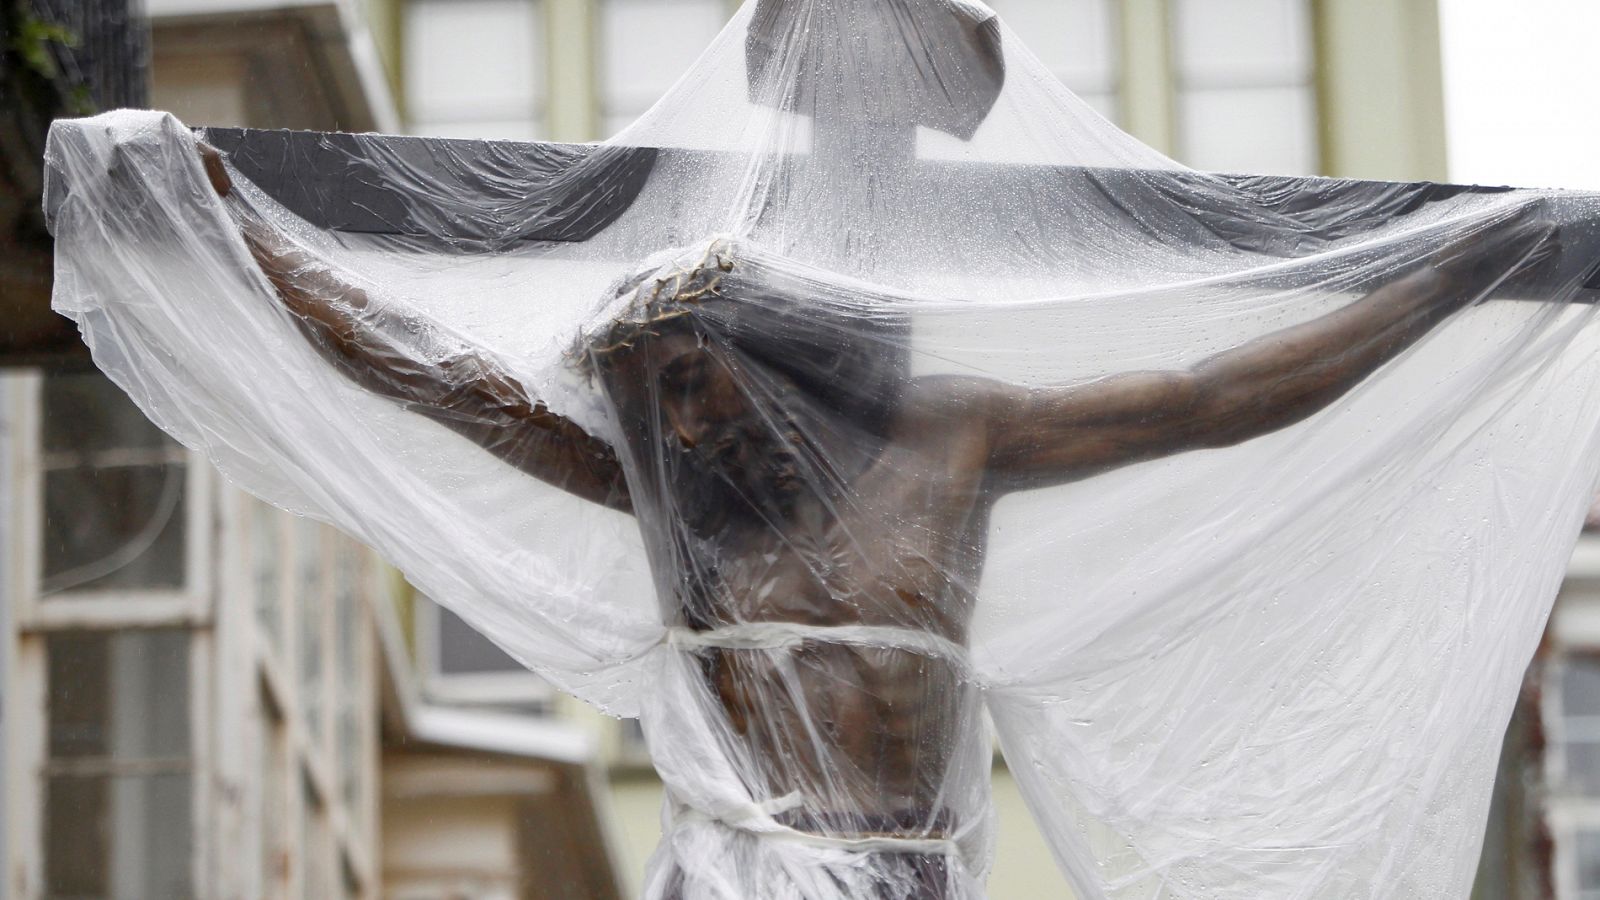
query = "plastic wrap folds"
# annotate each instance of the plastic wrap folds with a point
(872, 381)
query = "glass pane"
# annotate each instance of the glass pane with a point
(274, 787)
(471, 60)
(118, 695)
(352, 887)
(311, 609)
(316, 874)
(346, 577)
(1583, 767)
(266, 551)
(1258, 130)
(87, 413)
(632, 737)
(350, 776)
(1242, 41)
(125, 837)
(632, 77)
(114, 528)
(1076, 39)
(463, 651)
(1580, 687)
(347, 647)
(1588, 857)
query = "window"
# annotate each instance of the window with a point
(1245, 95)
(1587, 850)
(114, 580)
(266, 559)
(117, 783)
(124, 683)
(114, 489)
(475, 68)
(1572, 717)
(635, 73)
(1580, 726)
(350, 650)
(1075, 39)
(463, 666)
(632, 749)
(311, 607)
(317, 869)
(315, 719)
(273, 785)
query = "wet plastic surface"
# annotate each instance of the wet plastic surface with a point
(872, 386)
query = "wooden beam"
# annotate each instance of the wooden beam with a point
(382, 184)
(515, 192)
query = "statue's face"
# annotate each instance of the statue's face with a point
(689, 404)
(695, 391)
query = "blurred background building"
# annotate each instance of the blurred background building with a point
(205, 697)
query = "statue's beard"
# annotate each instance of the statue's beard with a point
(741, 472)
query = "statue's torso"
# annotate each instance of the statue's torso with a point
(864, 732)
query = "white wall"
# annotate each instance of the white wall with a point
(1520, 91)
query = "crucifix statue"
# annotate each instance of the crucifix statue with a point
(815, 514)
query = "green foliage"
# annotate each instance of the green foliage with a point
(31, 41)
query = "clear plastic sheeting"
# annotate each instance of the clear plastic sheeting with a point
(871, 382)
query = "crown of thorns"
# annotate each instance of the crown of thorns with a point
(660, 297)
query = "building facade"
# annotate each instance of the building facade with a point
(206, 697)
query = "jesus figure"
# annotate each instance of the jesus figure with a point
(816, 517)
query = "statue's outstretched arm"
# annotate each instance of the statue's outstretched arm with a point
(1046, 436)
(455, 386)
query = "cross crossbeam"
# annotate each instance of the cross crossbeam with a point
(384, 184)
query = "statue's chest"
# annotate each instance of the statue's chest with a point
(901, 548)
(842, 572)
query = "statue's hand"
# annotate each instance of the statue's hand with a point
(211, 159)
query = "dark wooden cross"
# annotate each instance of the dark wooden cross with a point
(348, 183)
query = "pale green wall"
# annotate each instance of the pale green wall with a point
(574, 99)
(1380, 89)
(1379, 85)
(1023, 867)
(1146, 74)
(636, 810)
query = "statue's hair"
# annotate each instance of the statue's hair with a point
(656, 298)
(853, 361)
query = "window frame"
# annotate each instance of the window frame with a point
(232, 665)
(185, 606)
(1115, 87)
(1568, 811)
(1182, 85)
(521, 688)
(311, 761)
(605, 111)
(536, 116)
(34, 619)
